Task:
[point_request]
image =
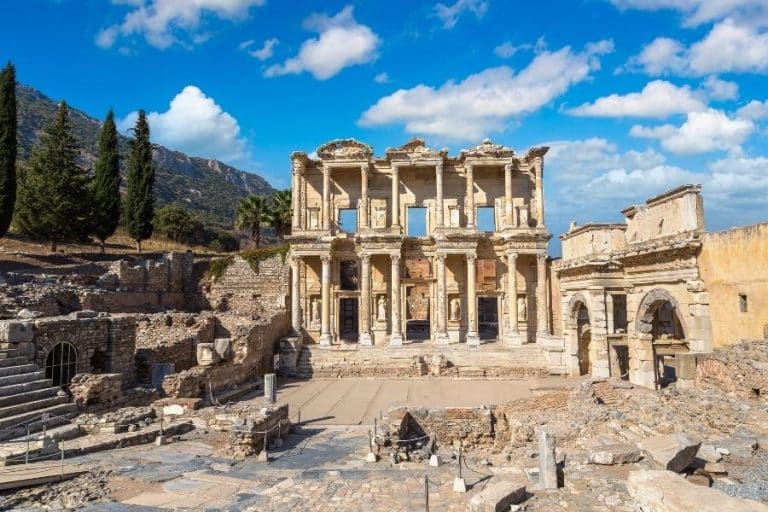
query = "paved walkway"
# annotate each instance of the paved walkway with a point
(351, 401)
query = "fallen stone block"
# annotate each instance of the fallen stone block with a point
(708, 453)
(673, 452)
(664, 491)
(498, 495)
(622, 453)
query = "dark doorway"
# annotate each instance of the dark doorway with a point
(348, 275)
(61, 364)
(585, 365)
(488, 318)
(417, 317)
(348, 319)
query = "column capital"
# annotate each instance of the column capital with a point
(468, 167)
(541, 256)
(512, 255)
(365, 168)
(440, 257)
(294, 259)
(365, 258)
(395, 258)
(471, 257)
(439, 167)
(325, 258)
(508, 167)
(395, 166)
(326, 170)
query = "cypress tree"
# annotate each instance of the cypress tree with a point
(106, 184)
(53, 202)
(139, 205)
(8, 144)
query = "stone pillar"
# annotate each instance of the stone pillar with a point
(439, 208)
(442, 321)
(296, 195)
(326, 198)
(473, 339)
(396, 336)
(325, 316)
(538, 164)
(513, 333)
(542, 315)
(295, 298)
(508, 195)
(609, 312)
(364, 223)
(270, 388)
(470, 199)
(547, 461)
(365, 302)
(395, 197)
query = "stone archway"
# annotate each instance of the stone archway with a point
(579, 335)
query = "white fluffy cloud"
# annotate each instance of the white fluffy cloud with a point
(265, 52)
(196, 125)
(696, 12)
(658, 99)
(720, 89)
(754, 110)
(728, 47)
(702, 132)
(161, 22)
(485, 102)
(450, 14)
(341, 42)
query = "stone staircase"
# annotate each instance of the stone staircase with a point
(304, 364)
(26, 396)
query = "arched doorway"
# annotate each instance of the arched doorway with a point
(659, 316)
(61, 364)
(585, 338)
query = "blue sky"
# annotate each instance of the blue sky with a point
(634, 96)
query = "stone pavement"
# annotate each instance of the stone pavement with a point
(353, 401)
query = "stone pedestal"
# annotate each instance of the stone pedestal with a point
(513, 339)
(270, 388)
(547, 462)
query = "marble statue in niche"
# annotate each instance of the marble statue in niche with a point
(522, 309)
(381, 313)
(455, 309)
(315, 312)
(379, 208)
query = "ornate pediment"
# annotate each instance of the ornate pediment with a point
(488, 149)
(414, 149)
(345, 149)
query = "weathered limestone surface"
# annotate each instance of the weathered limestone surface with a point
(622, 453)
(498, 495)
(673, 452)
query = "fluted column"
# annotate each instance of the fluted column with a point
(473, 339)
(442, 321)
(470, 199)
(365, 168)
(395, 197)
(326, 198)
(609, 313)
(295, 299)
(439, 209)
(325, 316)
(513, 333)
(396, 336)
(365, 301)
(296, 195)
(538, 164)
(508, 195)
(542, 315)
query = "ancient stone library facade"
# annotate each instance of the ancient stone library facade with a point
(420, 250)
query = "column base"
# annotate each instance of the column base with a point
(396, 340)
(514, 339)
(442, 338)
(366, 340)
(325, 340)
(473, 340)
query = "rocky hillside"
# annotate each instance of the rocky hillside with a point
(207, 187)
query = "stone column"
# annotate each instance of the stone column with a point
(326, 198)
(538, 164)
(609, 312)
(542, 315)
(469, 204)
(295, 299)
(270, 388)
(325, 314)
(473, 339)
(439, 209)
(508, 195)
(395, 197)
(442, 321)
(365, 302)
(513, 334)
(296, 196)
(365, 168)
(396, 336)
(547, 461)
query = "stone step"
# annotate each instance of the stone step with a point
(36, 426)
(16, 451)
(15, 370)
(29, 396)
(20, 378)
(36, 405)
(12, 422)
(13, 361)
(14, 389)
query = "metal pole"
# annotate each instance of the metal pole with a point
(26, 454)
(62, 459)
(298, 420)
(426, 493)
(459, 461)
(375, 428)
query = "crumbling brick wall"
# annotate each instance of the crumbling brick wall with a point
(471, 426)
(105, 391)
(259, 293)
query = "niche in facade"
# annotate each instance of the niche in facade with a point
(349, 275)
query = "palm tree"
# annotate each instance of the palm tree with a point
(279, 212)
(251, 213)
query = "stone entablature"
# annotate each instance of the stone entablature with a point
(357, 283)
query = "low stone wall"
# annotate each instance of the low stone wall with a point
(469, 426)
(246, 428)
(95, 393)
(253, 349)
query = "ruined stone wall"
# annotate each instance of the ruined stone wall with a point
(678, 211)
(106, 391)
(588, 240)
(258, 294)
(254, 348)
(171, 338)
(469, 426)
(734, 263)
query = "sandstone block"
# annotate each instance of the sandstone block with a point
(206, 354)
(673, 452)
(223, 347)
(498, 495)
(664, 491)
(623, 453)
(16, 331)
(708, 453)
